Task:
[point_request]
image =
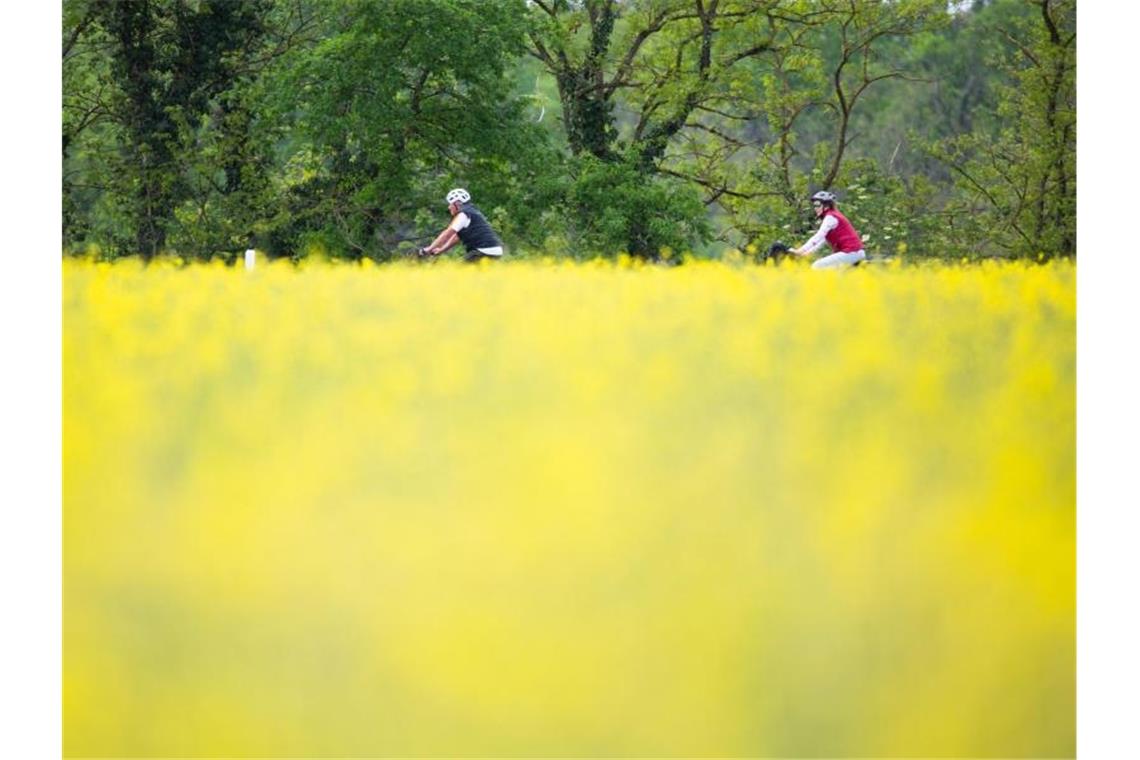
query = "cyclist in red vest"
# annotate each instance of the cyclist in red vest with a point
(836, 231)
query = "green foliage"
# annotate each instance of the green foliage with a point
(894, 215)
(400, 101)
(143, 83)
(1019, 177)
(581, 128)
(615, 206)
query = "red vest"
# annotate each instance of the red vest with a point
(844, 238)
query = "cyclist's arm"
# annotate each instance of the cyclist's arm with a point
(450, 236)
(815, 241)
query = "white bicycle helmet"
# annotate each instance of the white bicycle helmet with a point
(824, 196)
(458, 195)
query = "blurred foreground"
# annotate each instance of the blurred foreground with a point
(569, 510)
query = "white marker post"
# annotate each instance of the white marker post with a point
(250, 258)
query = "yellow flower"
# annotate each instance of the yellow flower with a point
(568, 508)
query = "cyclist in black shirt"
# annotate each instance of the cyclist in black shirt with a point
(469, 226)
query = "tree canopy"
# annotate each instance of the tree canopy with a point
(582, 127)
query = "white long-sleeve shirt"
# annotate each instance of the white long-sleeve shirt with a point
(820, 237)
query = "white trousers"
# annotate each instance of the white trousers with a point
(839, 260)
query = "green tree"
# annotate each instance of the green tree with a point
(601, 54)
(199, 126)
(1018, 178)
(722, 94)
(165, 63)
(397, 102)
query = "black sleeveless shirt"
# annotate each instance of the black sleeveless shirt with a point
(478, 234)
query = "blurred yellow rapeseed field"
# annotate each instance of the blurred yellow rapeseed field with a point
(565, 509)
